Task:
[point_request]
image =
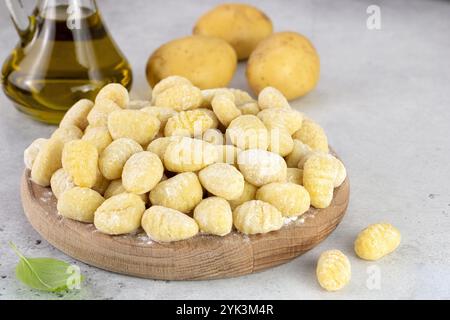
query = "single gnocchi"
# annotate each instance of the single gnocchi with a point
(133, 124)
(77, 115)
(60, 182)
(181, 192)
(142, 172)
(180, 97)
(188, 123)
(299, 154)
(377, 241)
(225, 108)
(80, 161)
(79, 204)
(67, 133)
(47, 161)
(291, 199)
(333, 270)
(319, 175)
(222, 180)
(313, 135)
(261, 167)
(282, 118)
(30, 153)
(159, 145)
(168, 225)
(189, 155)
(270, 97)
(167, 83)
(119, 214)
(255, 216)
(114, 157)
(116, 93)
(280, 142)
(213, 215)
(248, 132)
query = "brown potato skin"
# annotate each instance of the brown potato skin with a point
(286, 61)
(241, 25)
(208, 62)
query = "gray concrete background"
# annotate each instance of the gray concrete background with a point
(384, 101)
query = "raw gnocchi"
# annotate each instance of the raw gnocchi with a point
(291, 199)
(30, 153)
(333, 270)
(248, 132)
(142, 172)
(181, 192)
(188, 123)
(255, 216)
(77, 114)
(79, 204)
(119, 214)
(313, 135)
(114, 157)
(213, 215)
(114, 92)
(261, 167)
(222, 180)
(167, 225)
(377, 241)
(60, 182)
(80, 161)
(133, 124)
(47, 161)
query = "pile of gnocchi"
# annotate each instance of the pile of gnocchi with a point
(188, 161)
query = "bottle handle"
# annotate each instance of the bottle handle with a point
(23, 23)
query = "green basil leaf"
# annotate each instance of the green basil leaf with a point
(45, 274)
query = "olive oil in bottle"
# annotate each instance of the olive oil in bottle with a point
(66, 56)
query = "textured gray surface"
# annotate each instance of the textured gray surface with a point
(384, 101)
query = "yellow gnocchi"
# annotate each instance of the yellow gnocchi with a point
(167, 83)
(319, 175)
(270, 97)
(142, 172)
(227, 154)
(261, 167)
(291, 199)
(255, 216)
(99, 137)
(280, 142)
(114, 92)
(30, 153)
(79, 204)
(189, 155)
(119, 214)
(333, 270)
(377, 241)
(225, 109)
(47, 161)
(213, 215)
(180, 97)
(67, 133)
(188, 123)
(133, 124)
(168, 225)
(77, 115)
(299, 154)
(213, 136)
(281, 118)
(159, 145)
(162, 113)
(80, 161)
(60, 182)
(248, 132)
(222, 180)
(181, 192)
(114, 157)
(313, 135)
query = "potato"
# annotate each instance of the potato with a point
(286, 61)
(241, 25)
(208, 62)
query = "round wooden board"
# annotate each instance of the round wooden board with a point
(202, 257)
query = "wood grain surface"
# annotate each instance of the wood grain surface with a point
(202, 257)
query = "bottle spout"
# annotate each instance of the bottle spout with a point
(20, 18)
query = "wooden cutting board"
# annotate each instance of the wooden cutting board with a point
(202, 257)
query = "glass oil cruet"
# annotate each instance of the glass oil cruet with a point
(65, 54)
